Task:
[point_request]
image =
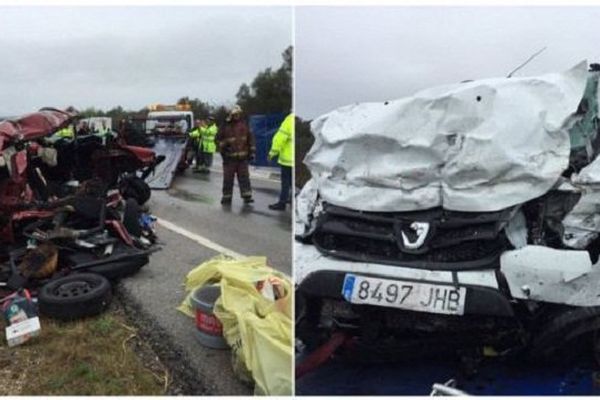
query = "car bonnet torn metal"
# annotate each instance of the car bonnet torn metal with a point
(475, 146)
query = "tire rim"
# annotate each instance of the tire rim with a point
(73, 289)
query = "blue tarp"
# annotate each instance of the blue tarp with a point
(264, 127)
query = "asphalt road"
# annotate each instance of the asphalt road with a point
(194, 203)
(152, 295)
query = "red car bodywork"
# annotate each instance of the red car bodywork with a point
(30, 127)
(16, 197)
(14, 191)
(34, 125)
(143, 154)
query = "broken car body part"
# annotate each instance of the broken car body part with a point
(64, 223)
(470, 207)
(477, 146)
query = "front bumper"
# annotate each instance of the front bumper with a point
(531, 273)
(321, 276)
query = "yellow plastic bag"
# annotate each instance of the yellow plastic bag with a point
(258, 329)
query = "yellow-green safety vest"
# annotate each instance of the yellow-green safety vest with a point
(208, 134)
(195, 134)
(66, 132)
(103, 131)
(283, 142)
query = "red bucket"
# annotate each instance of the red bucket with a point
(209, 329)
(208, 323)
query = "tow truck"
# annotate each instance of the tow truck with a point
(165, 130)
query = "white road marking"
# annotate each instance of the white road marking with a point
(201, 240)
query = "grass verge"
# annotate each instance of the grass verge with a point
(95, 356)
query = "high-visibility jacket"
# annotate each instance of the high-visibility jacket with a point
(282, 146)
(209, 133)
(195, 135)
(103, 131)
(66, 132)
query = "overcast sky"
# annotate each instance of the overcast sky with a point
(134, 56)
(356, 54)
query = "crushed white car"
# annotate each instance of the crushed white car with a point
(465, 215)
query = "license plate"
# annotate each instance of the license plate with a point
(415, 296)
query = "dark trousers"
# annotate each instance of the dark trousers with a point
(206, 159)
(286, 184)
(231, 168)
(198, 156)
(192, 153)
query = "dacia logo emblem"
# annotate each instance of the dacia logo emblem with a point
(420, 230)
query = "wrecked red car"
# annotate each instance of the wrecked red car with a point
(70, 205)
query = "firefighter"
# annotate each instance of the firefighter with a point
(236, 145)
(207, 146)
(282, 147)
(195, 136)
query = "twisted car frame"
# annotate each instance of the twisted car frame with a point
(69, 205)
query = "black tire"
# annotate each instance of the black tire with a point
(307, 315)
(566, 336)
(131, 218)
(133, 187)
(75, 296)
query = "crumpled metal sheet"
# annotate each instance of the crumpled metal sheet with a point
(551, 275)
(582, 224)
(34, 125)
(516, 230)
(306, 204)
(477, 146)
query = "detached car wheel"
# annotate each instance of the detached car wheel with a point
(75, 296)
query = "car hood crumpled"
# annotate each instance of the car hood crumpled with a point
(476, 146)
(34, 125)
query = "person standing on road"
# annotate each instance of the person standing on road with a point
(104, 133)
(207, 145)
(195, 136)
(282, 147)
(84, 129)
(236, 145)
